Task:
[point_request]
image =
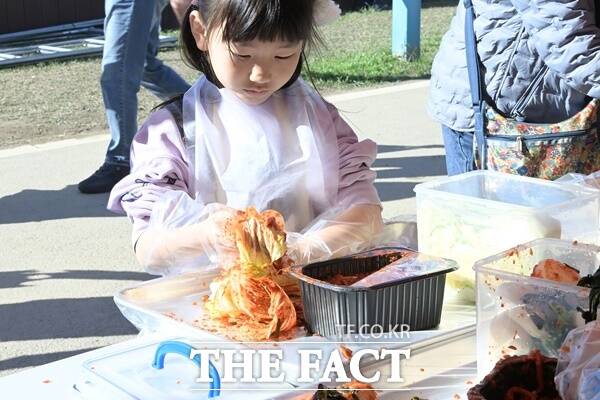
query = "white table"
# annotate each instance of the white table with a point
(438, 371)
(55, 380)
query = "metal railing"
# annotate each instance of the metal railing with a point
(81, 39)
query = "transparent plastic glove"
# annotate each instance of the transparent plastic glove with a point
(399, 230)
(336, 234)
(578, 370)
(184, 235)
(305, 249)
(216, 242)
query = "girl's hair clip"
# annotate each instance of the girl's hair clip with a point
(325, 12)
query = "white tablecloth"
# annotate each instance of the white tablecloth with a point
(56, 380)
(428, 370)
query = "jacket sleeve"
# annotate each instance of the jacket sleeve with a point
(159, 165)
(356, 178)
(565, 35)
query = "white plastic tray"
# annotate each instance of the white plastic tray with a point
(174, 303)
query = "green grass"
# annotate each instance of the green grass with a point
(358, 49)
(62, 99)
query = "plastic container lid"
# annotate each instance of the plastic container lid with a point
(407, 269)
(505, 190)
(407, 266)
(132, 373)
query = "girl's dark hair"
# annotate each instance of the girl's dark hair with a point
(246, 20)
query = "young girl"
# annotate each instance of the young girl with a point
(250, 132)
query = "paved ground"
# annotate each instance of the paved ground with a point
(63, 256)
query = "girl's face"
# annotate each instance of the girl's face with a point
(253, 70)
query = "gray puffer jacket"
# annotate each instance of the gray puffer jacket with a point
(541, 59)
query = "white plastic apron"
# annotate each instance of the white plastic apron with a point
(277, 155)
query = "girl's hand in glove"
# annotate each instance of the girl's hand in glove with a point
(348, 232)
(165, 250)
(307, 248)
(212, 234)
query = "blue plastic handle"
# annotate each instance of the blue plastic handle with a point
(184, 349)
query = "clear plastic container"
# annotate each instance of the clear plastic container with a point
(477, 214)
(517, 313)
(130, 374)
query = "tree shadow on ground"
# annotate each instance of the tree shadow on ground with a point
(389, 191)
(33, 205)
(13, 279)
(62, 318)
(405, 167)
(35, 360)
(386, 148)
(410, 167)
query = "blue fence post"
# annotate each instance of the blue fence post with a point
(406, 28)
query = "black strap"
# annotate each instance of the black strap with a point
(175, 107)
(475, 81)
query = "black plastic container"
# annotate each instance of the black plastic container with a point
(414, 299)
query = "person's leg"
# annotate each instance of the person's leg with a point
(459, 151)
(126, 28)
(158, 77)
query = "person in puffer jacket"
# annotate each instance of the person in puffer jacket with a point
(541, 62)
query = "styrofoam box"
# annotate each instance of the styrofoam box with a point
(477, 214)
(517, 313)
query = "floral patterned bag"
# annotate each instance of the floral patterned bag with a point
(546, 151)
(539, 150)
